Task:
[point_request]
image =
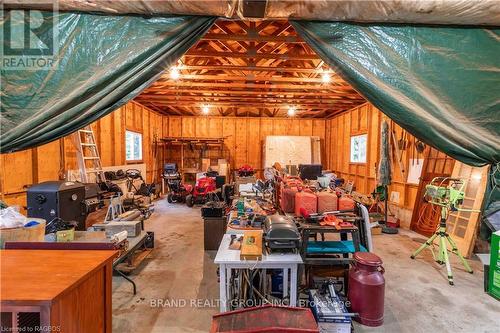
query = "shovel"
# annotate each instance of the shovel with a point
(402, 143)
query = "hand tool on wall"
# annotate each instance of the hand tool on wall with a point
(420, 147)
(402, 143)
(398, 154)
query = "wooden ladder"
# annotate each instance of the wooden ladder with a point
(87, 151)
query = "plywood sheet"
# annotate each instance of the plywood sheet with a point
(48, 161)
(306, 127)
(174, 127)
(188, 127)
(17, 171)
(287, 150)
(241, 146)
(254, 143)
(228, 131)
(202, 127)
(215, 128)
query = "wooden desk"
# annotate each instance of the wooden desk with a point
(70, 289)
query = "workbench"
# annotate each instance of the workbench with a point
(56, 290)
(229, 260)
(134, 243)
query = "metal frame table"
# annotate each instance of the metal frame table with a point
(228, 260)
(307, 229)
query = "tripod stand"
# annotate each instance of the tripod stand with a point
(444, 237)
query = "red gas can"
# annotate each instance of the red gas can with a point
(346, 203)
(327, 201)
(307, 200)
(366, 288)
(288, 199)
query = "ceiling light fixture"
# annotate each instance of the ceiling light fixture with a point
(291, 111)
(174, 73)
(205, 109)
(325, 77)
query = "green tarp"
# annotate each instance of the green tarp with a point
(441, 84)
(101, 62)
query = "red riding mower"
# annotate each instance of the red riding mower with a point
(177, 190)
(205, 187)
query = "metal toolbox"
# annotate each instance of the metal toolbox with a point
(281, 233)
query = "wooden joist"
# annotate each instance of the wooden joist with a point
(251, 68)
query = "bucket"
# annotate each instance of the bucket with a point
(324, 181)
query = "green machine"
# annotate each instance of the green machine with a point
(494, 278)
(447, 193)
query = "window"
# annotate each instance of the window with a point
(358, 148)
(133, 146)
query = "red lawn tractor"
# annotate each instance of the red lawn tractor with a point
(204, 187)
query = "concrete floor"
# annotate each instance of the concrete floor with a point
(418, 297)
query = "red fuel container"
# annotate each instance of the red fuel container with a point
(346, 203)
(366, 288)
(327, 201)
(288, 199)
(307, 200)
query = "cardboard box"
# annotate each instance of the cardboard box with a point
(377, 230)
(251, 247)
(205, 164)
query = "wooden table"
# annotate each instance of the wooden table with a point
(69, 289)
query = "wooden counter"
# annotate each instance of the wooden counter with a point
(71, 289)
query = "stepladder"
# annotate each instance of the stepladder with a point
(89, 161)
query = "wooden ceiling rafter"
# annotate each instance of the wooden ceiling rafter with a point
(251, 68)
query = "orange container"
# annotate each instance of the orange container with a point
(346, 203)
(307, 200)
(288, 199)
(327, 201)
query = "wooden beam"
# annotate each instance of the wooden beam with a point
(251, 99)
(254, 68)
(253, 38)
(203, 54)
(252, 85)
(214, 92)
(244, 105)
(249, 77)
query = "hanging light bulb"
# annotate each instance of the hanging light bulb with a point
(291, 111)
(205, 109)
(174, 73)
(325, 77)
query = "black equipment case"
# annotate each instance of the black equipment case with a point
(58, 199)
(213, 209)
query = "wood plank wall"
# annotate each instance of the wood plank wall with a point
(366, 119)
(245, 136)
(48, 162)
